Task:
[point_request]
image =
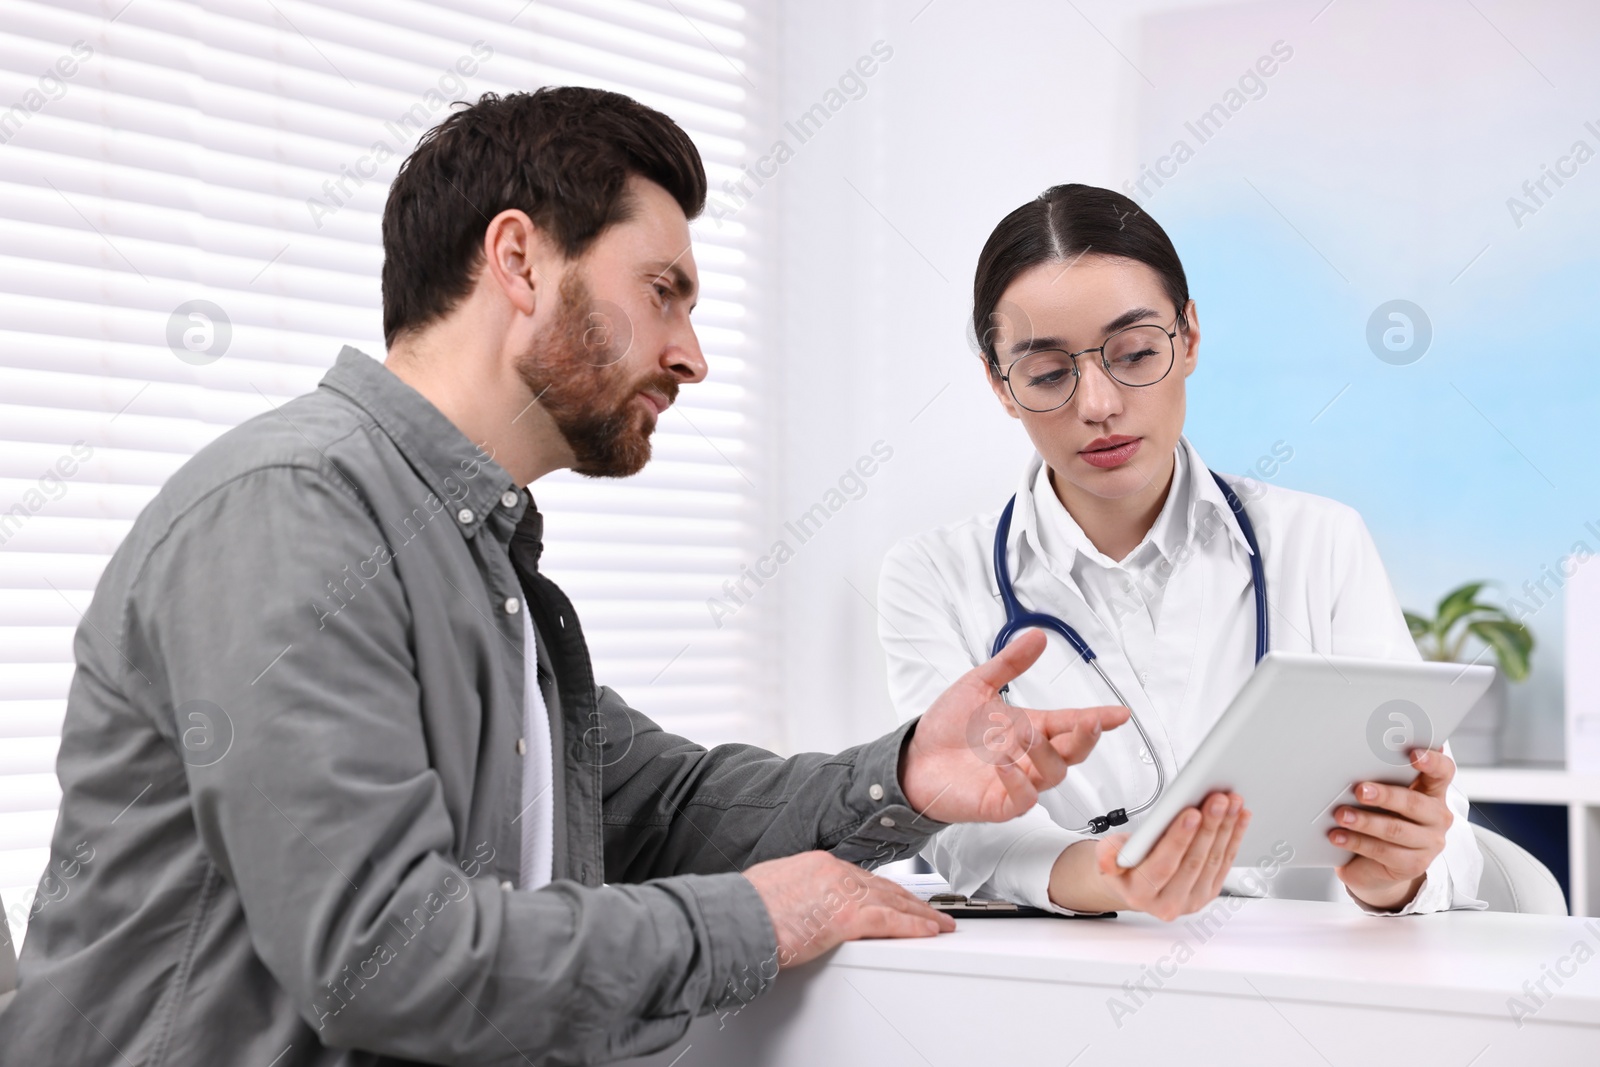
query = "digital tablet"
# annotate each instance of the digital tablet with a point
(1303, 730)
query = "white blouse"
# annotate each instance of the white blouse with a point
(536, 821)
(1173, 625)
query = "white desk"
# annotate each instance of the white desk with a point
(1276, 982)
(1578, 793)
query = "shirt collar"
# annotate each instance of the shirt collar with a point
(1206, 496)
(1193, 502)
(471, 485)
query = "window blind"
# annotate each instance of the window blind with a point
(190, 199)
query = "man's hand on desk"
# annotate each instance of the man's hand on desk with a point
(1394, 846)
(817, 901)
(975, 758)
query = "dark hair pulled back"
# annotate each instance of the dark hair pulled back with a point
(1061, 224)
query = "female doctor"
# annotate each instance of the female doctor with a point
(1082, 312)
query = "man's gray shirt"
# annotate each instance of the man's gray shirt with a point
(291, 756)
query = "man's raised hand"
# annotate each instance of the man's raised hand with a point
(975, 758)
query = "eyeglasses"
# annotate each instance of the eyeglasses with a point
(1137, 356)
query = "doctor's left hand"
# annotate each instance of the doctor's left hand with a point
(975, 758)
(1394, 846)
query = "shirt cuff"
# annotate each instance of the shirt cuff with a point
(741, 944)
(886, 828)
(1436, 893)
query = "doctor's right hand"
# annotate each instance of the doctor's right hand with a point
(1180, 875)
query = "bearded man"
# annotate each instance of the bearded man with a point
(350, 792)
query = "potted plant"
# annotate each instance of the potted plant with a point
(1461, 617)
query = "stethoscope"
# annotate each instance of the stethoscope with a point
(1017, 620)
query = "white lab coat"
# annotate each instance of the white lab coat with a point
(1327, 592)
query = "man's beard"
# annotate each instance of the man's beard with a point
(577, 374)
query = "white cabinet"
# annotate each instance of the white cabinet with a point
(1578, 793)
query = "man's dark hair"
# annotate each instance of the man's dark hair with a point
(1060, 224)
(562, 154)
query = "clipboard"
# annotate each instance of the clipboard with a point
(958, 906)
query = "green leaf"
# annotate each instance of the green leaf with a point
(1493, 612)
(1511, 641)
(1456, 604)
(1420, 627)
